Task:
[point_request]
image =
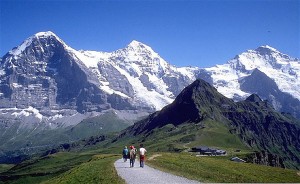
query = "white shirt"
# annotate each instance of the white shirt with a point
(142, 151)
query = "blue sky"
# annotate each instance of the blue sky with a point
(185, 33)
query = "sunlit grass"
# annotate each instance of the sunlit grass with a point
(98, 170)
(5, 167)
(220, 169)
(66, 167)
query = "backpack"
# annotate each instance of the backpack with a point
(133, 153)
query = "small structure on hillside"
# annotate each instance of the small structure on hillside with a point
(204, 150)
(237, 159)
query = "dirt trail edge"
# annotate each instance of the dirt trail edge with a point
(138, 175)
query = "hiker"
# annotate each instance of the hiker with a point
(125, 154)
(142, 155)
(132, 155)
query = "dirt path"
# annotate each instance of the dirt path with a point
(138, 175)
(154, 156)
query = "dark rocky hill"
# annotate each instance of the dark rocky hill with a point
(254, 121)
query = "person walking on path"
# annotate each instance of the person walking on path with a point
(125, 154)
(142, 155)
(132, 155)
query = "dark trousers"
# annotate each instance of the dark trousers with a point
(132, 162)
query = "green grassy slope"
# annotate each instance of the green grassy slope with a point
(222, 170)
(93, 166)
(64, 168)
(98, 170)
(102, 124)
(185, 136)
(5, 167)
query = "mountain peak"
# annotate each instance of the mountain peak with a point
(266, 49)
(136, 45)
(145, 55)
(45, 34)
(254, 98)
(40, 35)
(202, 94)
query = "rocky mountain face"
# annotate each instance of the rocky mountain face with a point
(138, 73)
(43, 73)
(259, 83)
(46, 75)
(253, 120)
(265, 158)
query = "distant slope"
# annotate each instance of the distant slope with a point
(102, 124)
(15, 149)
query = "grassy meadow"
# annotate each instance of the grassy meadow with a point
(99, 169)
(95, 167)
(221, 169)
(65, 167)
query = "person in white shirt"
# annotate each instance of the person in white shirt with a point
(142, 155)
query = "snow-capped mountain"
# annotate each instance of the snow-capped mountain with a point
(231, 79)
(45, 74)
(138, 73)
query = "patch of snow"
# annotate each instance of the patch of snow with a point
(27, 112)
(22, 113)
(157, 100)
(91, 58)
(160, 85)
(2, 72)
(57, 116)
(17, 51)
(188, 71)
(110, 91)
(16, 85)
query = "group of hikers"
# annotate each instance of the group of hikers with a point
(131, 155)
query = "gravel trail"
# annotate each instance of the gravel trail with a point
(138, 175)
